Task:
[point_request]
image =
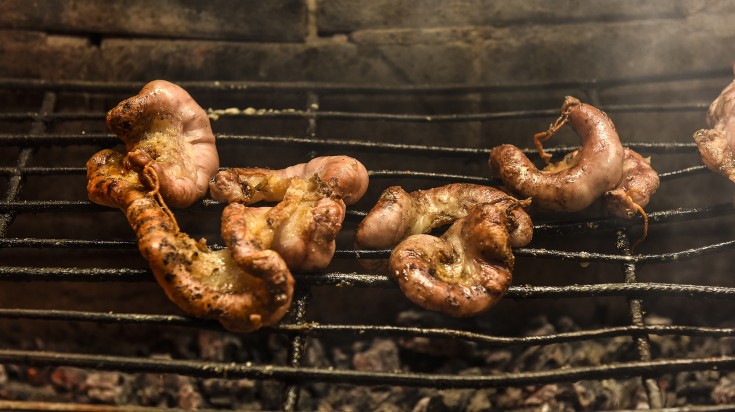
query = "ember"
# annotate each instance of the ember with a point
(69, 384)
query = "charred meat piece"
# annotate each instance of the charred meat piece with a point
(243, 294)
(465, 271)
(302, 228)
(304, 225)
(165, 129)
(575, 182)
(634, 190)
(346, 176)
(717, 144)
(399, 214)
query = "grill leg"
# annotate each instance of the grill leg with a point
(655, 398)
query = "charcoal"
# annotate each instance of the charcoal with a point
(68, 378)
(480, 400)
(341, 359)
(187, 396)
(228, 392)
(455, 399)
(152, 390)
(724, 392)
(218, 346)
(430, 404)
(381, 355)
(441, 356)
(106, 387)
(21, 391)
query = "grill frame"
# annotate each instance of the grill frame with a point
(299, 329)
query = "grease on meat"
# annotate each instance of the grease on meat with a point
(635, 188)
(242, 296)
(717, 144)
(303, 226)
(399, 214)
(346, 176)
(165, 129)
(466, 270)
(578, 180)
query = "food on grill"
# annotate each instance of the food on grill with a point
(243, 294)
(466, 270)
(717, 145)
(635, 188)
(346, 176)
(469, 267)
(580, 178)
(303, 226)
(165, 129)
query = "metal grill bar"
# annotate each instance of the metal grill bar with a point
(316, 329)
(16, 180)
(363, 88)
(655, 397)
(109, 139)
(591, 225)
(46, 274)
(48, 171)
(384, 254)
(303, 375)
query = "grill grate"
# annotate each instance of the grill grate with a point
(299, 327)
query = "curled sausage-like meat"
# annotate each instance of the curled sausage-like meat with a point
(575, 182)
(302, 228)
(717, 144)
(465, 271)
(245, 293)
(347, 178)
(634, 190)
(165, 129)
(399, 214)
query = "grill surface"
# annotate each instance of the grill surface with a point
(73, 132)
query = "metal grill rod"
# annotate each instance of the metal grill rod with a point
(10, 139)
(316, 329)
(384, 254)
(304, 375)
(338, 115)
(363, 88)
(49, 274)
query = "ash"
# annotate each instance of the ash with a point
(414, 354)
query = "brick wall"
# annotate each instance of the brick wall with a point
(390, 41)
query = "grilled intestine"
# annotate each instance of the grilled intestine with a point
(717, 144)
(633, 192)
(302, 227)
(580, 178)
(242, 296)
(466, 270)
(165, 129)
(170, 159)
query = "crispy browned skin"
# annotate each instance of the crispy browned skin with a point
(638, 183)
(245, 293)
(399, 214)
(162, 126)
(347, 177)
(465, 271)
(302, 228)
(717, 144)
(572, 184)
